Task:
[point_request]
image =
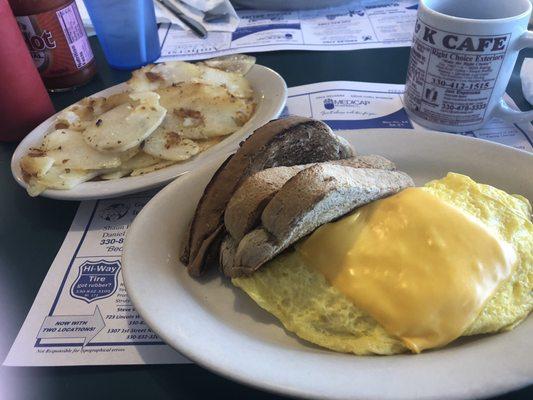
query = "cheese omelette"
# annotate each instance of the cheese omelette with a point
(306, 302)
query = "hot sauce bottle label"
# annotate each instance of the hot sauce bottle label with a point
(57, 41)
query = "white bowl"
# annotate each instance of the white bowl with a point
(270, 95)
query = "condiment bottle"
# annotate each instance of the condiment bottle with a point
(57, 40)
(24, 101)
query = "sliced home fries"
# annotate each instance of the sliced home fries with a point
(239, 63)
(157, 76)
(58, 178)
(68, 149)
(170, 146)
(160, 76)
(169, 113)
(200, 111)
(126, 125)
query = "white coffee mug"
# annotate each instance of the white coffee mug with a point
(462, 57)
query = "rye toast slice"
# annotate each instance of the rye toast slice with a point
(313, 197)
(243, 212)
(284, 142)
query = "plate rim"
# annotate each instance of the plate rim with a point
(216, 367)
(163, 176)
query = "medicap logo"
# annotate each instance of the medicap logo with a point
(96, 280)
(354, 109)
(345, 104)
(330, 104)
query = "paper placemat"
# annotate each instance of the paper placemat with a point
(361, 24)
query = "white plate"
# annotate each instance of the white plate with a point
(220, 328)
(270, 94)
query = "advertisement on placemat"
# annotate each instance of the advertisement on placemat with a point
(357, 25)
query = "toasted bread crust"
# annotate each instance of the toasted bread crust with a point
(283, 142)
(313, 197)
(245, 207)
(243, 212)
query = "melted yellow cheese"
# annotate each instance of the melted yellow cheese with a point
(420, 267)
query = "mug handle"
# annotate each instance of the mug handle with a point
(503, 110)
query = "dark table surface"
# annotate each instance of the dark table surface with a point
(32, 230)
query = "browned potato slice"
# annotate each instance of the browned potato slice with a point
(152, 168)
(199, 111)
(126, 125)
(170, 146)
(160, 76)
(78, 115)
(36, 164)
(58, 178)
(235, 83)
(157, 76)
(238, 63)
(68, 149)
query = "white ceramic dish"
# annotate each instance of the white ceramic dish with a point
(220, 328)
(270, 94)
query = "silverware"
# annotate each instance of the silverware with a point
(197, 28)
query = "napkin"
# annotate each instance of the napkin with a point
(204, 5)
(526, 75)
(193, 8)
(197, 10)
